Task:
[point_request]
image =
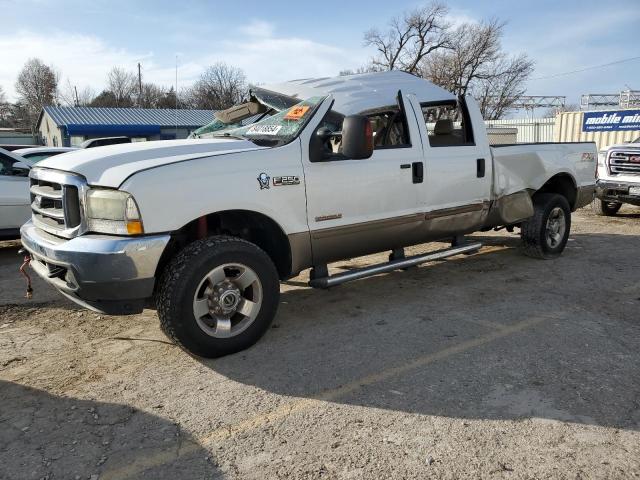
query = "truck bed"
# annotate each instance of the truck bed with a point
(527, 166)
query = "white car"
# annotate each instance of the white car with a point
(362, 164)
(37, 154)
(15, 206)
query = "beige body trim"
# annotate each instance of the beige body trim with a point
(339, 243)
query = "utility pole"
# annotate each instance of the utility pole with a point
(77, 101)
(139, 86)
(176, 97)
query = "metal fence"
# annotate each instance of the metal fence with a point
(530, 130)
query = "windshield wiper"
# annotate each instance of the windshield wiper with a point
(228, 135)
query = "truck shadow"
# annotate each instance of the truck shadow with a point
(492, 336)
(46, 436)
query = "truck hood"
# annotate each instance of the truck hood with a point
(111, 165)
(631, 146)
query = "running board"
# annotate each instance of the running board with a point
(330, 281)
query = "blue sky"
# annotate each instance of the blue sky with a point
(273, 41)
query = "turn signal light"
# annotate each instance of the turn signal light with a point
(134, 227)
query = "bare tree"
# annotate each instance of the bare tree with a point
(123, 85)
(5, 109)
(70, 96)
(37, 86)
(220, 86)
(364, 69)
(410, 39)
(475, 64)
(569, 107)
(151, 96)
(104, 99)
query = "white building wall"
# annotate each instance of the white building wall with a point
(530, 130)
(50, 133)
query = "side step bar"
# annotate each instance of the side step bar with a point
(330, 281)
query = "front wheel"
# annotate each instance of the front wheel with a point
(605, 209)
(218, 296)
(546, 233)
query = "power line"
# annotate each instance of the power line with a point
(586, 69)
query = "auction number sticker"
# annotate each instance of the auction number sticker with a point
(296, 113)
(264, 130)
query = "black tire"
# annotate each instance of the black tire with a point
(604, 208)
(534, 231)
(181, 279)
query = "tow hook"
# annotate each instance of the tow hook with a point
(25, 263)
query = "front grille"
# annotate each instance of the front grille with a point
(627, 163)
(57, 202)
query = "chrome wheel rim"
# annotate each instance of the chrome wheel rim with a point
(556, 227)
(227, 300)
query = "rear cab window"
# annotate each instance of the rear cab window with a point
(448, 124)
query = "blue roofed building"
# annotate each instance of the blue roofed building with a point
(70, 126)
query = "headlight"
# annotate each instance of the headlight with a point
(602, 157)
(113, 211)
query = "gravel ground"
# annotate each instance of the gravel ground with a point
(487, 366)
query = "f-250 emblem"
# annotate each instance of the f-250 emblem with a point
(286, 180)
(263, 180)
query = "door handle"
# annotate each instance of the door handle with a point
(480, 168)
(405, 165)
(417, 170)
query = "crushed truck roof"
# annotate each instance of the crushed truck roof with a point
(365, 91)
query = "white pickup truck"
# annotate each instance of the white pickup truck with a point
(361, 164)
(618, 178)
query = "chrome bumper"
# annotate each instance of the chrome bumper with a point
(617, 191)
(112, 275)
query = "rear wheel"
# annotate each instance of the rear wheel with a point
(604, 208)
(546, 233)
(218, 296)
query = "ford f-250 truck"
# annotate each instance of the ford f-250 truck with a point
(618, 178)
(362, 164)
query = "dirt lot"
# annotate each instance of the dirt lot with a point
(491, 366)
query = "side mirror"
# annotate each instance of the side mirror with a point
(357, 137)
(20, 169)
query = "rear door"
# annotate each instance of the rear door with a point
(355, 207)
(458, 167)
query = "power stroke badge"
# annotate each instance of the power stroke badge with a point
(263, 180)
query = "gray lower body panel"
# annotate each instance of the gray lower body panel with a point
(332, 244)
(109, 274)
(510, 210)
(585, 196)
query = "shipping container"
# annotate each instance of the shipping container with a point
(570, 127)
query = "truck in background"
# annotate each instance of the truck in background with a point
(618, 178)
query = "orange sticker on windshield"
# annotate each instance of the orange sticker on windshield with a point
(296, 113)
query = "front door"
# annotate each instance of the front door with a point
(356, 207)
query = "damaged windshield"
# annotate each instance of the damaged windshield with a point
(262, 103)
(279, 129)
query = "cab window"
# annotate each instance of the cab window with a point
(389, 125)
(448, 124)
(7, 168)
(389, 129)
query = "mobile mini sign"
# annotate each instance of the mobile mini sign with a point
(611, 121)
